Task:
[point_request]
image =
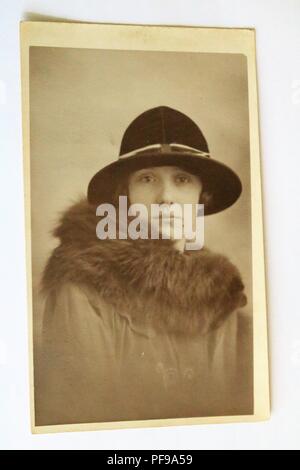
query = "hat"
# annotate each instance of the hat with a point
(163, 136)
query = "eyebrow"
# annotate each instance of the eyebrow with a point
(143, 170)
(177, 168)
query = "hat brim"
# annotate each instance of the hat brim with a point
(218, 179)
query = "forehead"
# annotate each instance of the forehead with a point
(163, 170)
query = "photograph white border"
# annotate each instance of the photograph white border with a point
(160, 38)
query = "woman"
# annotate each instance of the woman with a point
(145, 329)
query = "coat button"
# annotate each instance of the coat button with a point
(189, 373)
(171, 376)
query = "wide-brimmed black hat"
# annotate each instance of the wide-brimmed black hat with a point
(164, 136)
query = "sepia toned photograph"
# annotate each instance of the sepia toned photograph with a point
(145, 259)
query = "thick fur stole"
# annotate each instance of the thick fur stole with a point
(184, 293)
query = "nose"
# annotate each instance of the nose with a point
(166, 193)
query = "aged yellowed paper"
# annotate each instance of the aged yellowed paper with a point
(139, 333)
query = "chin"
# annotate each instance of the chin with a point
(171, 236)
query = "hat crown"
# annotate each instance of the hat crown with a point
(162, 125)
(164, 136)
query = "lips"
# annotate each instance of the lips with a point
(168, 216)
(169, 220)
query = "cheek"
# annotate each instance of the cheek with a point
(190, 195)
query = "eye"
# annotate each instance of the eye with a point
(146, 178)
(183, 179)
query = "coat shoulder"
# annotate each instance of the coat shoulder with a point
(245, 372)
(245, 328)
(80, 301)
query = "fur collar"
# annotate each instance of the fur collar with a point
(183, 293)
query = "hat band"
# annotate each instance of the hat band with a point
(165, 148)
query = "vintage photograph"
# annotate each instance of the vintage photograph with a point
(144, 226)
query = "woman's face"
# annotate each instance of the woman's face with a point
(164, 185)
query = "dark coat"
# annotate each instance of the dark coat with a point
(137, 330)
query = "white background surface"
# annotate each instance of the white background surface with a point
(277, 26)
